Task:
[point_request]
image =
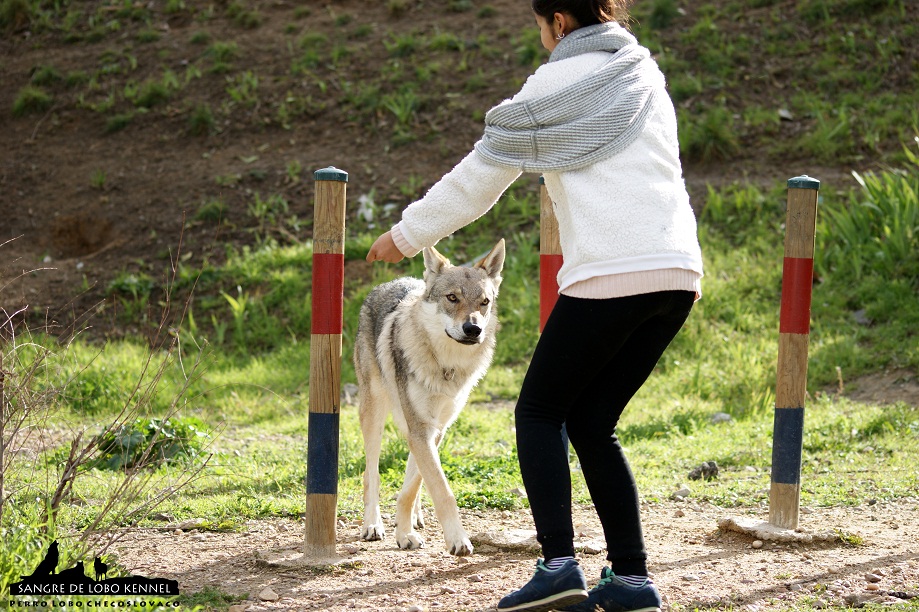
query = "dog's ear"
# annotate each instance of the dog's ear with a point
(434, 262)
(494, 262)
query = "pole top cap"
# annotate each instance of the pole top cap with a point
(331, 174)
(803, 182)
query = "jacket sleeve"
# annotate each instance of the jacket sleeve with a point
(463, 195)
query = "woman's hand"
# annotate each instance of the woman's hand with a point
(385, 249)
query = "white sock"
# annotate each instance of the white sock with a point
(557, 562)
(634, 581)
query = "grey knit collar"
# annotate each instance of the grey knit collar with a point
(609, 37)
(583, 123)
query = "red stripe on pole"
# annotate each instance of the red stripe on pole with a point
(797, 284)
(328, 291)
(549, 265)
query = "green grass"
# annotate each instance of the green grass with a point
(30, 100)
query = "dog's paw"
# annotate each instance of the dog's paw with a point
(461, 548)
(410, 541)
(371, 533)
(417, 520)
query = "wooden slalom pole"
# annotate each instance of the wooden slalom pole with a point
(550, 255)
(550, 262)
(794, 333)
(325, 364)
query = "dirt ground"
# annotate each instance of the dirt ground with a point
(80, 205)
(692, 560)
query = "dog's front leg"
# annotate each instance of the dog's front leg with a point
(423, 445)
(412, 474)
(406, 519)
(373, 419)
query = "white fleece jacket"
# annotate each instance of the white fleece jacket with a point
(625, 223)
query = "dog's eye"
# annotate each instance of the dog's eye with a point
(452, 297)
(486, 302)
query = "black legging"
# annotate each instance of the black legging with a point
(592, 357)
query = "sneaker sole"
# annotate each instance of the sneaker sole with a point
(559, 600)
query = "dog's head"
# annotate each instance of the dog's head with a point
(464, 298)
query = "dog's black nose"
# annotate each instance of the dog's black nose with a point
(471, 330)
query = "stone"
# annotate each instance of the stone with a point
(268, 594)
(508, 539)
(708, 470)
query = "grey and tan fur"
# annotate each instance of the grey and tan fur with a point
(421, 347)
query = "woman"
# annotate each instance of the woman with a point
(597, 122)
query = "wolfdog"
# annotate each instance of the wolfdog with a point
(421, 347)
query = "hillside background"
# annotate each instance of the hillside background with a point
(136, 136)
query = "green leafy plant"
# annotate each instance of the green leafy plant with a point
(201, 121)
(98, 179)
(243, 88)
(711, 137)
(148, 443)
(243, 16)
(46, 75)
(877, 233)
(118, 122)
(152, 93)
(212, 210)
(31, 99)
(15, 13)
(134, 284)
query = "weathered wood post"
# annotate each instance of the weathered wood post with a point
(550, 262)
(325, 363)
(550, 255)
(794, 334)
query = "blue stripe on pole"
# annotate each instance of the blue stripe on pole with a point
(322, 453)
(788, 437)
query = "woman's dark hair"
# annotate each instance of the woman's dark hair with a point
(585, 12)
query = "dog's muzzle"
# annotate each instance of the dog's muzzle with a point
(472, 334)
(472, 330)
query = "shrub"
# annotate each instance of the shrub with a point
(45, 75)
(709, 138)
(132, 284)
(152, 93)
(663, 13)
(200, 38)
(31, 99)
(201, 120)
(15, 13)
(211, 210)
(150, 443)
(118, 122)
(878, 232)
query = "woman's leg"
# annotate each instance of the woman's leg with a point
(574, 360)
(592, 424)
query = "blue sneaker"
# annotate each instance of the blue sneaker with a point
(548, 589)
(613, 595)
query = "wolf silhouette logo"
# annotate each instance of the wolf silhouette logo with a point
(46, 580)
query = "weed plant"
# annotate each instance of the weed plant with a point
(31, 99)
(58, 480)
